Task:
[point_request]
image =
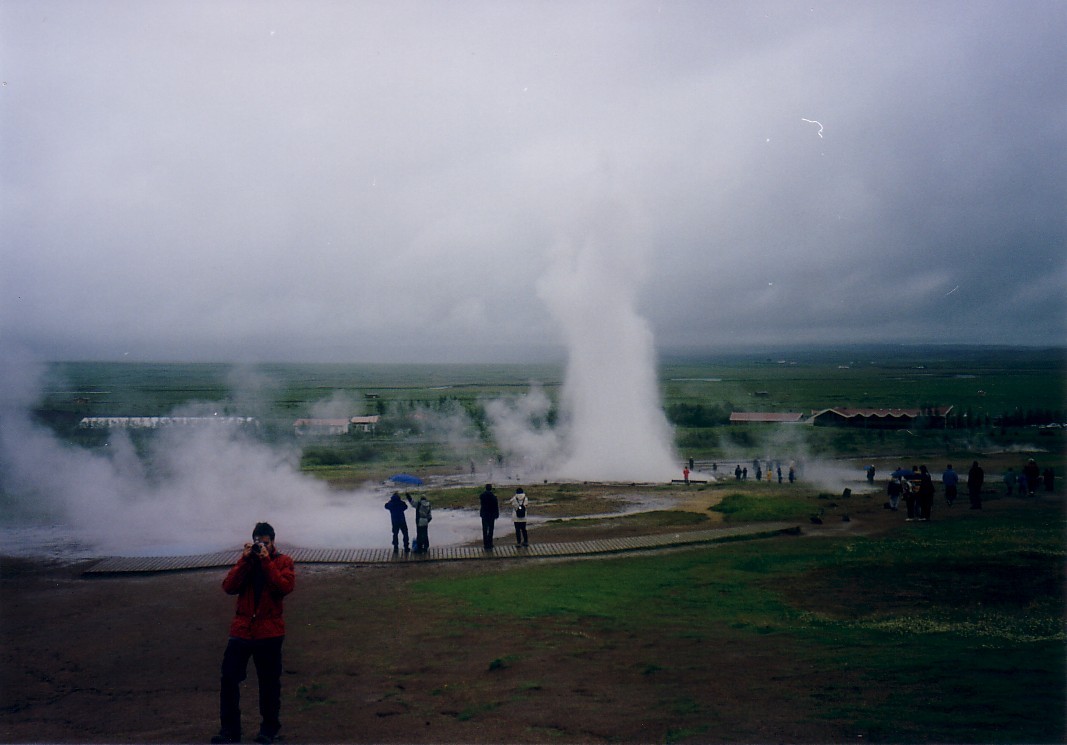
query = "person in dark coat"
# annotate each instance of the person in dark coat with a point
(975, 479)
(1033, 476)
(489, 512)
(396, 508)
(926, 493)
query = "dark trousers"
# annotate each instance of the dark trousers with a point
(401, 528)
(267, 656)
(926, 502)
(976, 498)
(950, 493)
(521, 536)
(488, 523)
(422, 537)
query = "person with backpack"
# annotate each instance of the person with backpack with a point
(423, 516)
(518, 506)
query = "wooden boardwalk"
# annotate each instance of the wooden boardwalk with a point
(503, 550)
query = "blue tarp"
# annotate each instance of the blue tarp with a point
(405, 478)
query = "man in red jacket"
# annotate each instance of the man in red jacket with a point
(260, 579)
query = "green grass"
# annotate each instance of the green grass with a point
(985, 382)
(955, 632)
(741, 508)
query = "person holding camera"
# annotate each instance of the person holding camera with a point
(260, 579)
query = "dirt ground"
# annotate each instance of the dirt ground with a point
(136, 659)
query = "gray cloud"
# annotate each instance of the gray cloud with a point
(391, 181)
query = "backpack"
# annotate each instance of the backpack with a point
(520, 509)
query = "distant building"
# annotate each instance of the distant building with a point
(312, 427)
(765, 417)
(309, 427)
(928, 418)
(157, 422)
(365, 423)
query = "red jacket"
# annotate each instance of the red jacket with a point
(264, 621)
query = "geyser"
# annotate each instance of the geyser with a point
(612, 427)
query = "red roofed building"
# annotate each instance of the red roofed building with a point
(932, 417)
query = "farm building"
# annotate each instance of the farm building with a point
(365, 423)
(321, 426)
(928, 418)
(157, 422)
(306, 427)
(765, 417)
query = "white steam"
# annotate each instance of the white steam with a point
(192, 490)
(611, 425)
(522, 433)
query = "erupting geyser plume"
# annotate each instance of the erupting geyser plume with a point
(612, 426)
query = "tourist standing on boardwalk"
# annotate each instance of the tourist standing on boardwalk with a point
(518, 508)
(951, 481)
(396, 508)
(975, 479)
(260, 579)
(423, 516)
(489, 512)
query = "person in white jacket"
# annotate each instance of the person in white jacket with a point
(518, 508)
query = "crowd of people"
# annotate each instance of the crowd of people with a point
(916, 487)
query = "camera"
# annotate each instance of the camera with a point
(256, 546)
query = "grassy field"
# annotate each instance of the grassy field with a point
(998, 395)
(866, 630)
(948, 631)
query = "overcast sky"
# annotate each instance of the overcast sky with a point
(393, 181)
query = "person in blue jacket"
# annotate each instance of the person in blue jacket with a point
(951, 481)
(396, 508)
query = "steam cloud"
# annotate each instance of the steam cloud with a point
(611, 425)
(202, 489)
(194, 490)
